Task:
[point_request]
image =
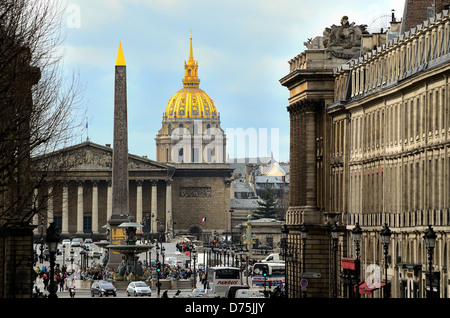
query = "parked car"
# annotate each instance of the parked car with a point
(138, 289)
(101, 288)
(87, 241)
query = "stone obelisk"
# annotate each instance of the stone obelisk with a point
(120, 160)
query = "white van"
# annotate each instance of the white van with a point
(249, 293)
(273, 258)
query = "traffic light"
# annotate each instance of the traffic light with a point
(158, 267)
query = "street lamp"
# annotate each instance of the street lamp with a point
(335, 238)
(385, 240)
(357, 234)
(53, 239)
(71, 259)
(303, 236)
(284, 240)
(430, 241)
(194, 257)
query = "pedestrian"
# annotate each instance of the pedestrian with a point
(45, 280)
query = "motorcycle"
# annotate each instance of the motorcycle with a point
(72, 292)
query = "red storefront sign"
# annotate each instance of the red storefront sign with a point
(349, 263)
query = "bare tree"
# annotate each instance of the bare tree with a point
(38, 104)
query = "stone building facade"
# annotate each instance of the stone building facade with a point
(370, 145)
(173, 200)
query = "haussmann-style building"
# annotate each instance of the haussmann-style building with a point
(370, 150)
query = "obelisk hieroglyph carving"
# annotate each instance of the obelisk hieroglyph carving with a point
(120, 201)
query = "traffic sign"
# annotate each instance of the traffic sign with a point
(303, 283)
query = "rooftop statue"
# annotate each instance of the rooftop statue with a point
(346, 35)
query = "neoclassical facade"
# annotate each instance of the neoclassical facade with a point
(370, 145)
(77, 194)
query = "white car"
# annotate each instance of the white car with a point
(66, 242)
(76, 242)
(138, 289)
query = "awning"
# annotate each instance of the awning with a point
(367, 288)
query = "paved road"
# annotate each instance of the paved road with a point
(84, 293)
(170, 251)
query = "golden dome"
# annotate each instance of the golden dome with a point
(191, 101)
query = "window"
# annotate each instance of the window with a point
(87, 224)
(227, 274)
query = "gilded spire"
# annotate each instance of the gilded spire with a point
(191, 51)
(191, 69)
(120, 60)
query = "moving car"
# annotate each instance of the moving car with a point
(103, 288)
(66, 242)
(95, 254)
(138, 289)
(77, 242)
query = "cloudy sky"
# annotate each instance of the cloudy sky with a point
(242, 48)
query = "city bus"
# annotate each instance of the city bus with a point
(220, 278)
(270, 274)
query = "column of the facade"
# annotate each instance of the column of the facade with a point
(154, 207)
(95, 207)
(36, 215)
(50, 205)
(139, 200)
(65, 209)
(109, 200)
(80, 208)
(310, 173)
(293, 213)
(169, 219)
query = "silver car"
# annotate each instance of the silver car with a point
(138, 289)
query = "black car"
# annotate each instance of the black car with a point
(103, 288)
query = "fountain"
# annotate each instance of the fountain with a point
(130, 268)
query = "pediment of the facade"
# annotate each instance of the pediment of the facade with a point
(89, 156)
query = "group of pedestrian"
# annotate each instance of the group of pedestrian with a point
(184, 247)
(43, 273)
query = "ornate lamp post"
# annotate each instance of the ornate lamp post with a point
(304, 237)
(71, 258)
(430, 241)
(385, 240)
(53, 239)
(335, 238)
(357, 234)
(194, 257)
(163, 254)
(284, 240)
